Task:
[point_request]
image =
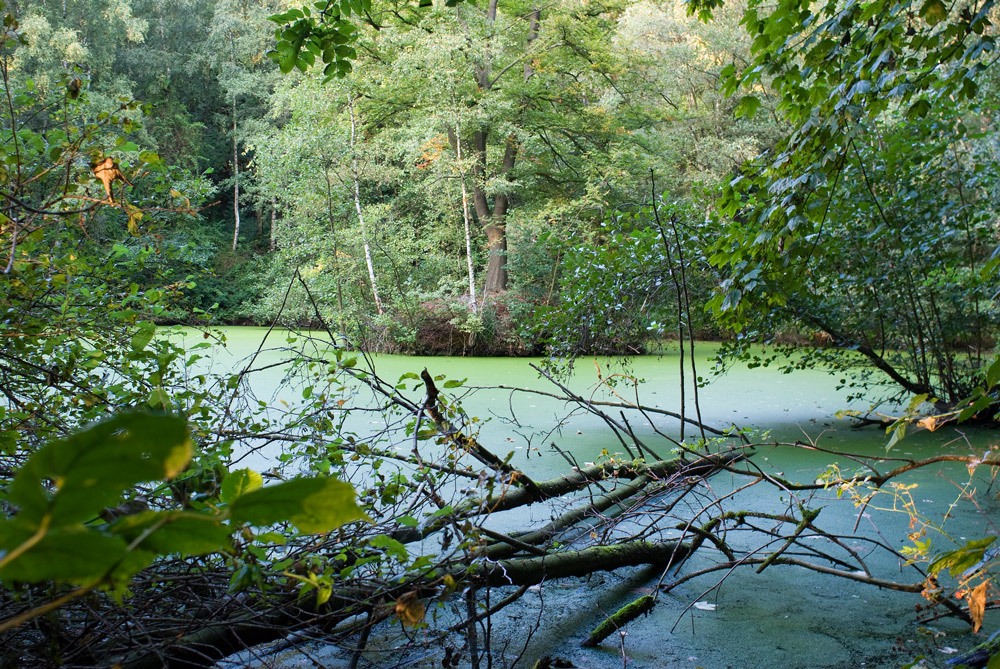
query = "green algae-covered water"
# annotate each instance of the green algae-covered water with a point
(783, 617)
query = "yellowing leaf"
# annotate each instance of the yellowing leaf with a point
(177, 459)
(977, 606)
(932, 423)
(134, 216)
(239, 483)
(933, 11)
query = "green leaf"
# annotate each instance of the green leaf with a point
(143, 336)
(897, 432)
(158, 399)
(311, 504)
(390, 546)
(92, 468)
(747, 107)
(65, 554)
(732, 299)
(933, 11)
(993, 374)
(239, 483)
(166, 532)
(455, 383)
(918, 109)
(958, 561)
(979, 403)
(128, 146)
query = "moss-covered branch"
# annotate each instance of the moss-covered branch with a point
(619, 619)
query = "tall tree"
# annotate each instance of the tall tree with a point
(546, 101)
(356, 182)
(239, 38)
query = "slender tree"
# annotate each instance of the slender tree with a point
(356, 180)
(465, 219)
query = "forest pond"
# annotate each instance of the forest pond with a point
(782, 617)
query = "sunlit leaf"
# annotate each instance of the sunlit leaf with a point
(239, 483)
(311, 504)
(143, 336)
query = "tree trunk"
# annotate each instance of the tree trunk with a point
(496, 270)
(202, 648)
(236, 181)
(465, 216)
(361, 218)
(274, 218)
(493, 219)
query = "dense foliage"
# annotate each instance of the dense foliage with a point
(873, 222)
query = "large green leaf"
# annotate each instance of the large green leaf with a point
(90, 469)
(312, 505)
(958, 561)
(165, 532)
(240, 483)
(143, 336)
(64, 554)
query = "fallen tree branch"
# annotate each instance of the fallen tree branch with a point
(619, 619)
(215, 641)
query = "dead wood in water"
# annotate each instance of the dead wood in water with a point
(461, 529)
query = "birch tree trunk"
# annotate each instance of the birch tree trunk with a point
(236, 181)
(357, 206)
(274, 219)
(465, 215)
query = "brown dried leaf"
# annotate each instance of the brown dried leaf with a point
(409, 609)
(932, 423)
(977, 606)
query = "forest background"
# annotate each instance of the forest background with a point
(549, 130)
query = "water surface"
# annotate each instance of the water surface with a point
(783, 617)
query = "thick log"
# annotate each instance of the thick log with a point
(579, 479)
(204, 647)
(567, 564)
